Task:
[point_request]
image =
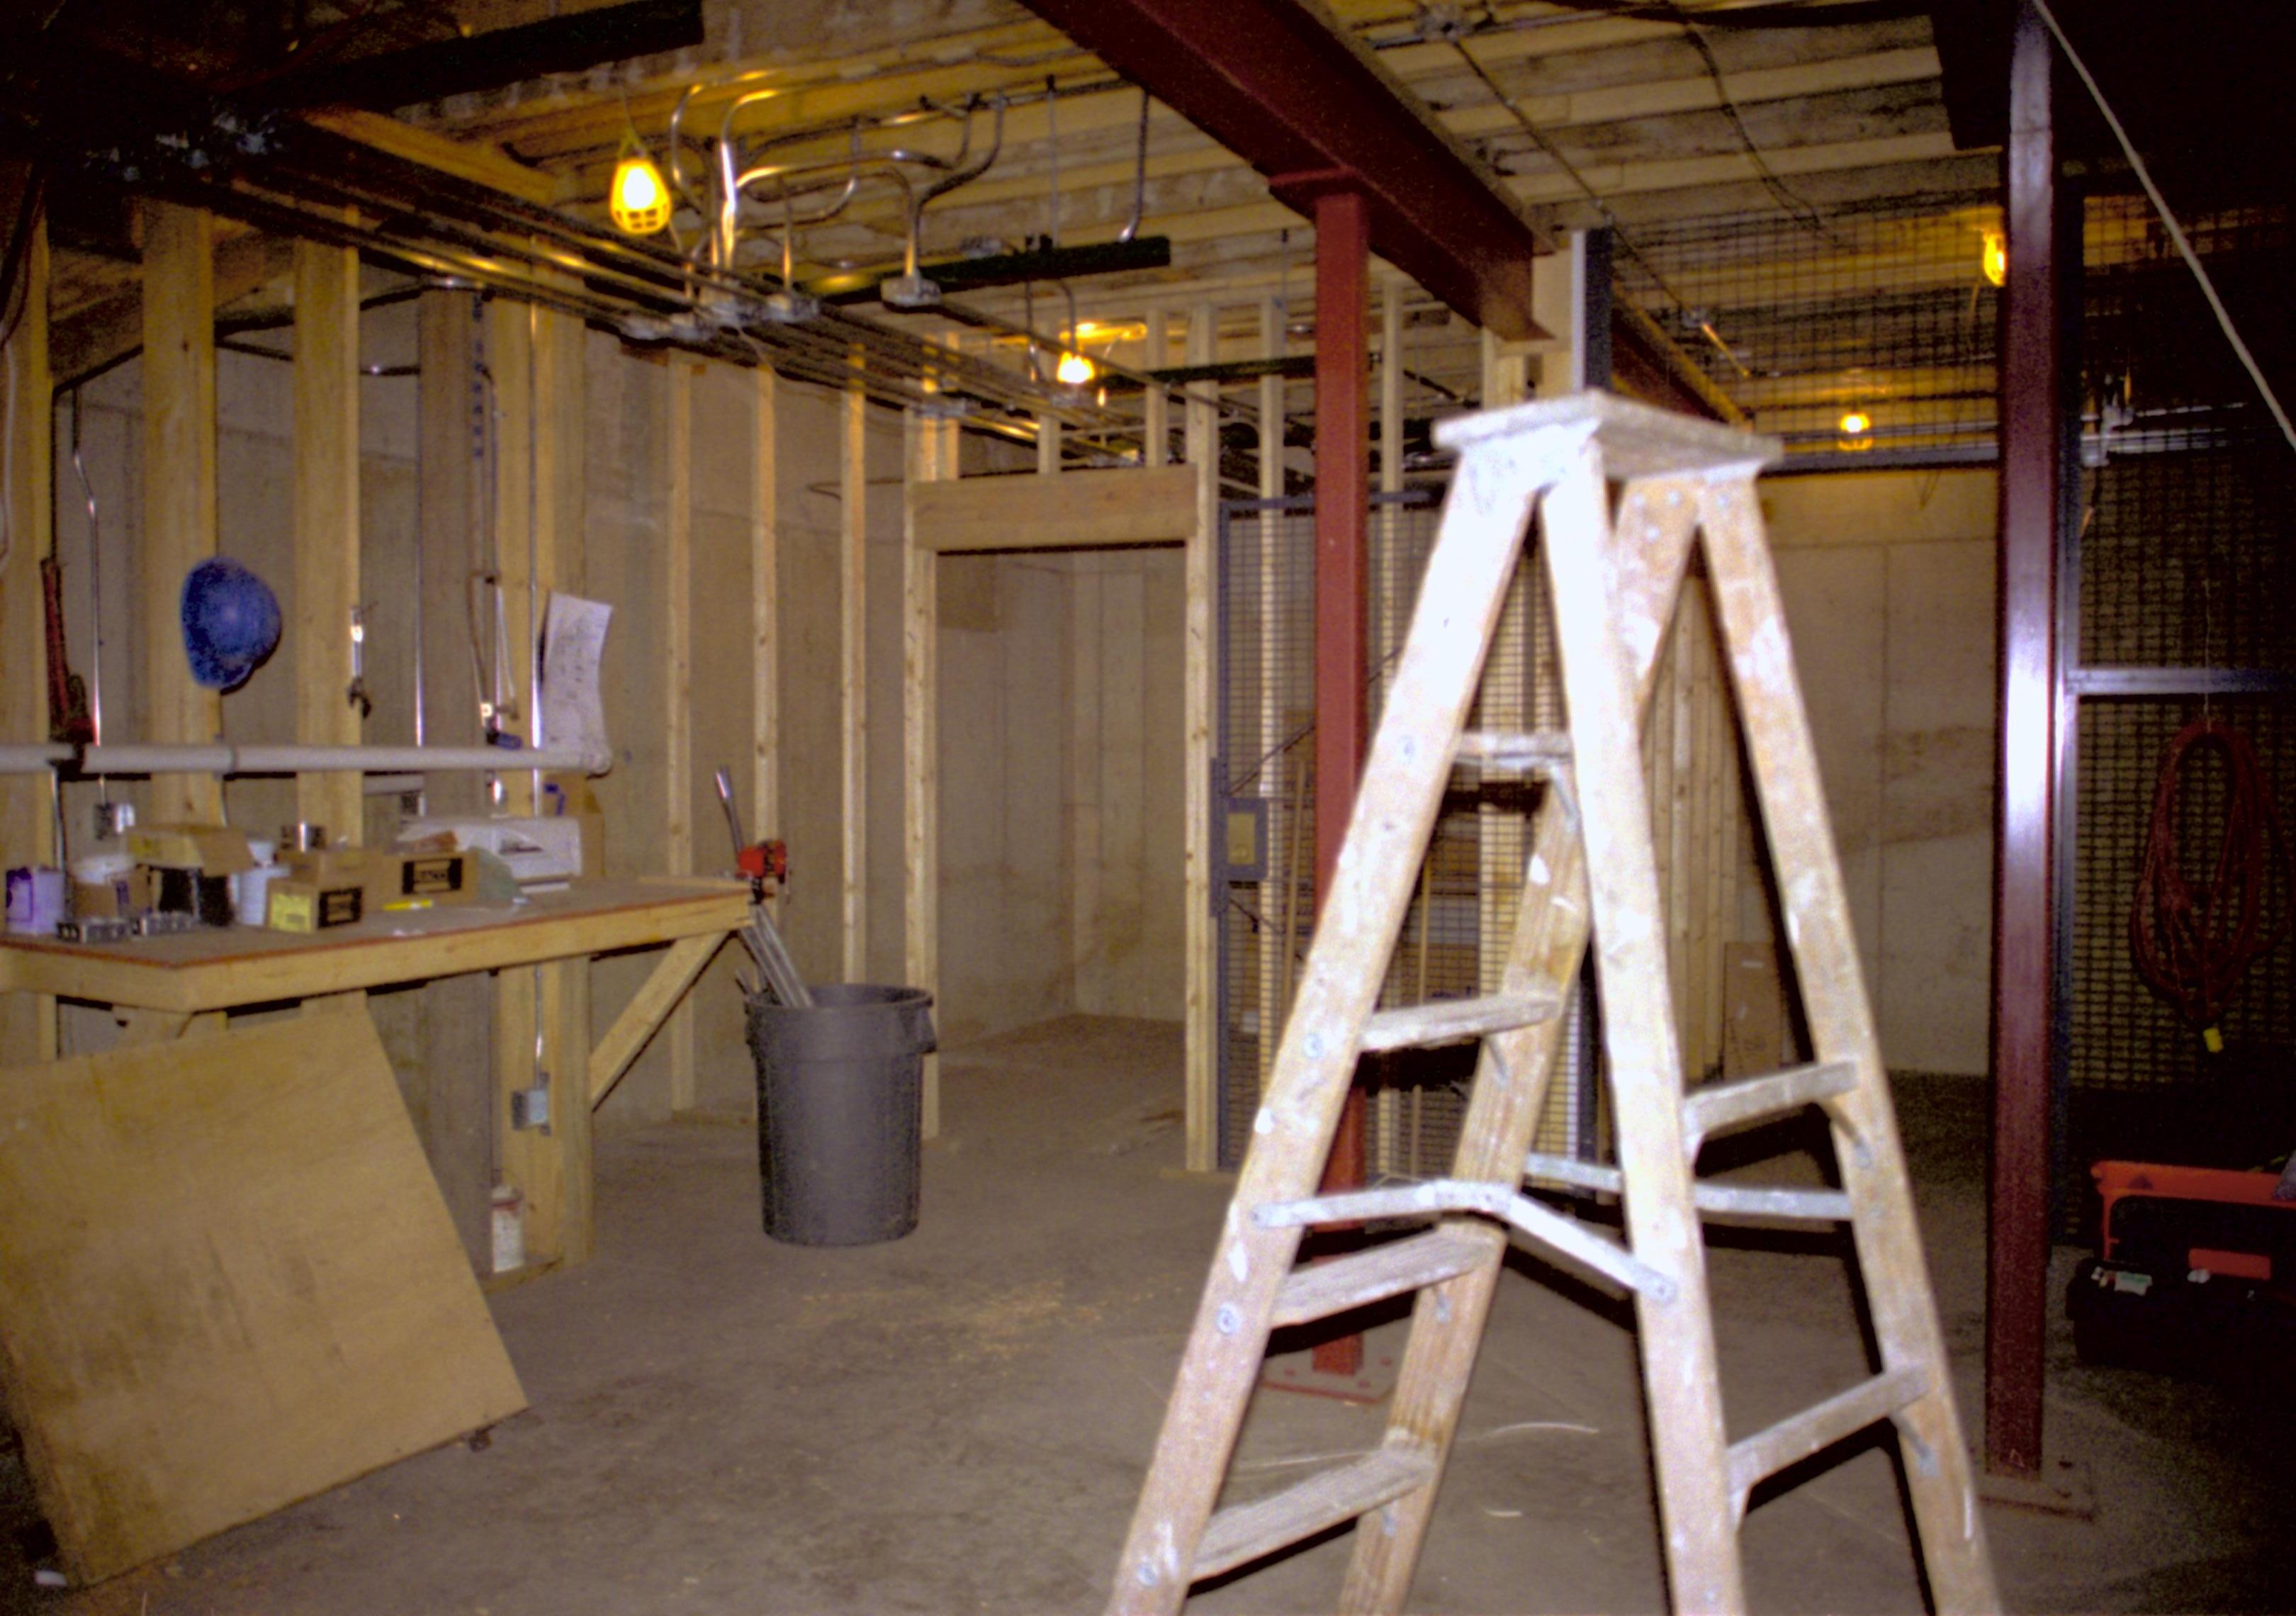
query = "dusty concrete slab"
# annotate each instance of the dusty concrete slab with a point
(958, 1421)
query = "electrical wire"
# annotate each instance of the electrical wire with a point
(2168, 222)
(2193, 945)
(1784, 195)
(1545, 143)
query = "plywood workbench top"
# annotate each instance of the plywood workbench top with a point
(215, 970)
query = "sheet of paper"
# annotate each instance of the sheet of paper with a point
(573, 645)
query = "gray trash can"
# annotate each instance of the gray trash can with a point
(841, 1097)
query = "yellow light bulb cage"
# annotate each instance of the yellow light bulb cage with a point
(640, 197)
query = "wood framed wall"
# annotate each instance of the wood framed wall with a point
(542, 1014)
(326, 525)
(27, 1021)
(179, 490)
(1069, 510)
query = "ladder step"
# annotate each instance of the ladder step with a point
(1727, 1105)
(1543, 1223)
(1734, 1199)
(1510, 751)
(1638, 439)
(1455, 1021)
(1323, 1289)
(1818, 1428)
(1242, 1533)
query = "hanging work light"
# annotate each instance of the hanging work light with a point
(640, 197)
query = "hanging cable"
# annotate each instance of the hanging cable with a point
(1554, 153)
(2168, 222)
(1783, 194)
(2193, 945)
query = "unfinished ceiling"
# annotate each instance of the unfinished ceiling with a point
(1590, 113)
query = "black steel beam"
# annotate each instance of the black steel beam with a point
(1004, 268)
(1293, 93)
(489, 59)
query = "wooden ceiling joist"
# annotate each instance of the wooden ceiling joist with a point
(90, 339)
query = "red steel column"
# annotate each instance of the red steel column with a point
(1342, 563)
(2031, 429)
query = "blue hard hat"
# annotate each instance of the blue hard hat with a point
(230, 622)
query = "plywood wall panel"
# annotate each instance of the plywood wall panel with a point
(1889, 579)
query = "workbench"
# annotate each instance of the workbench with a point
(180, 984)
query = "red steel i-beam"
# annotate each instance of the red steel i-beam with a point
(1342, 562)
(1291, 91)
(2031, 448)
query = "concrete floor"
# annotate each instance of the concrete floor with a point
(959, 1420)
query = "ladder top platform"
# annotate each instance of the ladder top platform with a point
(1639, 439)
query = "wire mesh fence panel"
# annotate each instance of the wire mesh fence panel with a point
(1265, 777)
(1464, 905)
(2186, 486)
(1868, 329)
(2182, 539)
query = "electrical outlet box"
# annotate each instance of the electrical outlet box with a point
(531, 1107)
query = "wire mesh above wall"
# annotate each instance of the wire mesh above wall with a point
(1463, 910)
(2181, 561)
(1869, 331)
(2188, 488)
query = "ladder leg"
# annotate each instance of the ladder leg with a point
(1447, 1322)
(1890, 1258)
(1688, 1440)
(1410, 759)
(1656, 522)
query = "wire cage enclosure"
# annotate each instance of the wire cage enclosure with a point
(2178, 565)
(1861, 335)
(1470, 883)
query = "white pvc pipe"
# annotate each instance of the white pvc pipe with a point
(32, 759)
(187, 760)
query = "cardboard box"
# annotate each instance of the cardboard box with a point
(384, 881)
(438, 878)
(218, 850)
(304, 906)
(104, 899)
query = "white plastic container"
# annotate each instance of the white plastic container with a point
(508, 1207)
(250, 894)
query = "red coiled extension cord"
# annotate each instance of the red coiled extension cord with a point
(2194, 945)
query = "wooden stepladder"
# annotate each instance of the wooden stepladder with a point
(1615, 583)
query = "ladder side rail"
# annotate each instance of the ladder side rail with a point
(1512, 1074)
(1648, 557)
(1688, 1438)
(1550, 942)
(1481, 535)
(1819, 932)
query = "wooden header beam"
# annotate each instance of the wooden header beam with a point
(1075, 510)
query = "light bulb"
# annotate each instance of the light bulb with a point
(1074, 369)
(640, 201)
(1996, 258)
(1855, 424)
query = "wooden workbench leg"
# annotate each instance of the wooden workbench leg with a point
(525, 1162)
(566, 1005)
(549, 1163)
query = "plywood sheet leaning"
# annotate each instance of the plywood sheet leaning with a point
(226, 1282)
